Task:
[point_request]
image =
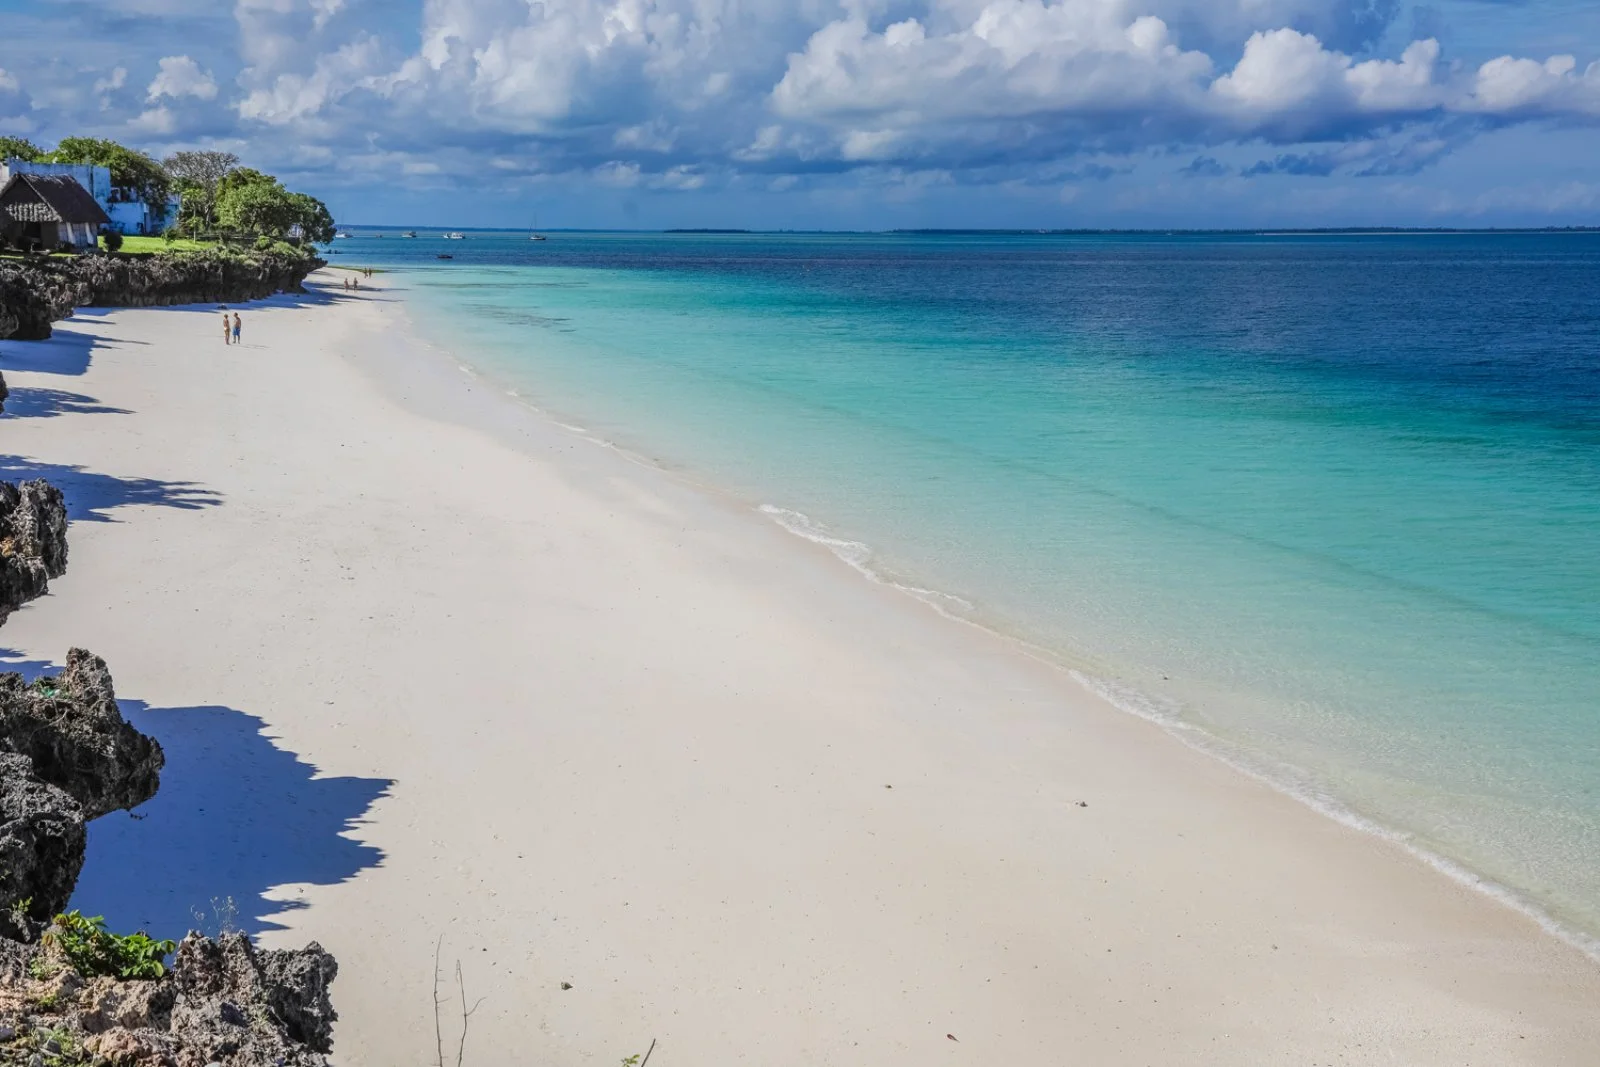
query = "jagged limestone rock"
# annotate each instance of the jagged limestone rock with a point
(41, 848)
(272, 1006)
(34, 294)
(33, 542)
(221, 1002)
(37, 292)
(69, 726)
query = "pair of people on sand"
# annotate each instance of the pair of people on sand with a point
(230, 330)
(352, 283)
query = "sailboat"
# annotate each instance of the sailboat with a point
(536, 235)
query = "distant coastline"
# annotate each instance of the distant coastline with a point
(1296, 231)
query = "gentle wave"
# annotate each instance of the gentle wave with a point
(859, 556)
(1168, 714)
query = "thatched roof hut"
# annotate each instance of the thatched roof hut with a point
(49, 211)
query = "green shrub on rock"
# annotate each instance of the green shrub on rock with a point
(95, 952)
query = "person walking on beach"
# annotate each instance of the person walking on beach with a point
(227, 330)
(236, 325)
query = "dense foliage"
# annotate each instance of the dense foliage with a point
(198, 174)
(218, 197)
(130, 168)
(93, 951)
(20, 148)
(249, 201)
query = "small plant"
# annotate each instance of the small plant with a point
(113, 240)
(224, 916)
(94, 951)
(56, 1047)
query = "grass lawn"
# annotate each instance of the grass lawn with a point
(158, 244)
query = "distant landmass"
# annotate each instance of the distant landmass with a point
(705, 231)
(1257, 230)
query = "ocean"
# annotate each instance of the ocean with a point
(1326, 505)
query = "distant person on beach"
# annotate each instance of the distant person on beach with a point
(236, 326)
(227, 329)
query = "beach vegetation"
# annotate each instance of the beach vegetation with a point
(130, 168)
(20, 148)
(94, 951)
(55, 1046)
(217, 198)
(198, 176)
(111, 241)
(250, 202)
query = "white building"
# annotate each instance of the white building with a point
(127, 212)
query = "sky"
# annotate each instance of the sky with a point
(846, 114)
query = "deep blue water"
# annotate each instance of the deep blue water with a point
(1332, 501)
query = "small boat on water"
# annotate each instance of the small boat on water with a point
(453, 236)
(344, 235)
(444, 255)
(409, 233)
(536, 235)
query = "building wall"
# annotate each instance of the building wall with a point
(95, 179)
(127, 214)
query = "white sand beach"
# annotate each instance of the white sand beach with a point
(429, 666)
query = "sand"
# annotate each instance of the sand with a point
(430, 667)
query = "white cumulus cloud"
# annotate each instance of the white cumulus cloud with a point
(181, 76)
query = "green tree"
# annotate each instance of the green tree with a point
(130, 169)
(313, 218)
(20, 148)
(239, 177)
(257, 207)
(197, 176)
(255, 203)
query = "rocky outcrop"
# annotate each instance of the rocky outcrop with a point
(71, 730)
(66, 756)
(246, 1006)
(209, 276)
(33, 542)
(41, 848)
(40, 291)
(35, 293)
(222, 1002)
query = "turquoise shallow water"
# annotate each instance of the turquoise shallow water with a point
(1332, 501)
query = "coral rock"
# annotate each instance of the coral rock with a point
(41, 848)
(240, 1006)
(70, 727)
(221, 1003)
(33, 542)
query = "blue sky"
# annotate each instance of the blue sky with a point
(857, 114)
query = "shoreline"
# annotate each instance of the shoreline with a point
(538, 582)
(1103, 688)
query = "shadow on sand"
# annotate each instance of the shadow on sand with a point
(66, 352)
(236, 817)
(91, 495)
(26, 403)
